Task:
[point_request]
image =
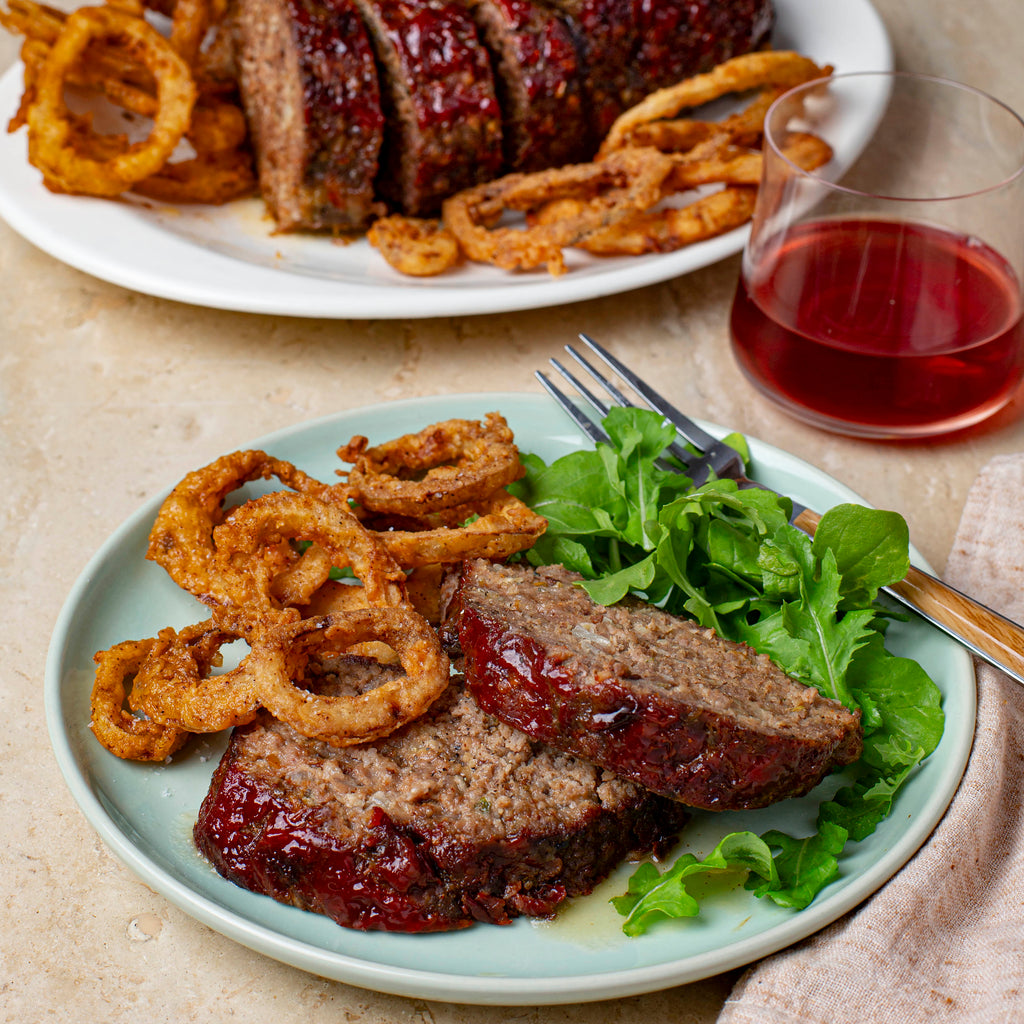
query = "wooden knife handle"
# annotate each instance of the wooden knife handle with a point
(990, 635)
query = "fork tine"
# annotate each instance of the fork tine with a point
(694, 434)
(587, 425)
(601, 408)
(725, 460)
(617, 396)
(695, 466)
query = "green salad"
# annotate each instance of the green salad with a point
(730, 559)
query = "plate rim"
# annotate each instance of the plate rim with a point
(218, 281)
(476, 989)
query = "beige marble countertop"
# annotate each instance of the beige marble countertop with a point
(107, 397)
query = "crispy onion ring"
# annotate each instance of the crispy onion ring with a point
(209, 178)
(423, 591)
(498, 526)
(629, 179)
(65, 168)
(250, 541)
(672, 228)
(334, 597)
(680, 135)
(703, 153)
(733, 165)
(414, 246)
(298, 582)
(761, 69)
(124, 735)
(222, 168)
(249, 564)
(189, 23)
(98, 69)
(176, 687)
(181, 539)
(218, 126)
(345, 720)
(444, 465)
(32, 20)
(684, 135)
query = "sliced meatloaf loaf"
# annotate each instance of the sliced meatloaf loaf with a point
(359, 106)
(443, 118)
(540, 87)
(309, 87)
(455, 818)
(650, 696)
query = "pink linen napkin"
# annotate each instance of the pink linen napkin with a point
(943, 941)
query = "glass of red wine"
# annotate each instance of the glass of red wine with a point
(880, 294)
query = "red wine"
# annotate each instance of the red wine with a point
(882, 328)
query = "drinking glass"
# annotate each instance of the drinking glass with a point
(880, 295)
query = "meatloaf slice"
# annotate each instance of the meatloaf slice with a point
(680, 38)
(440, 104)
(629, 48)
(455, 818)
(606, 37)
(539, 84)
(309, 88)
(650, 696)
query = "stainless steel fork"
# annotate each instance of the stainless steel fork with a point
(991, 636)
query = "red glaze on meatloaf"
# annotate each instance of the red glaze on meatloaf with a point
(606, 35)
(680, 38)
(652, 697)
(630, 48)
(540, 87)
(443, 119)
(454, 819)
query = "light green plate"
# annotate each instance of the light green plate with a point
(145, 814)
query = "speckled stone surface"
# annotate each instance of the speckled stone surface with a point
(107, 397)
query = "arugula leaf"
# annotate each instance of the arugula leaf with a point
(637, 441)
(905, 705)
(874, 546)
(859, 808)
(574, 494)
(652, 896)
(827, 640)
(804, 866)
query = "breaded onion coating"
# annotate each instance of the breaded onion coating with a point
(628, 180)
(122, 733)
(253, 538)
(181, 539)
(415, 246)
(65, 167)
(764, 68)
(175, 685)
(345, 720)
(444, 465)
(499, 526)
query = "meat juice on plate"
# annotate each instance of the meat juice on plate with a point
(821, 329)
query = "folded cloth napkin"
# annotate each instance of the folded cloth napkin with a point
(944, 939)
